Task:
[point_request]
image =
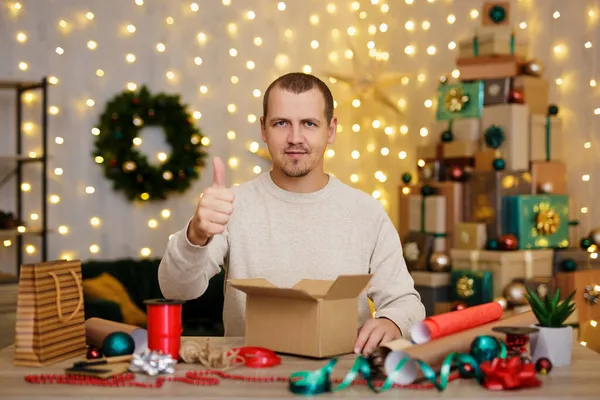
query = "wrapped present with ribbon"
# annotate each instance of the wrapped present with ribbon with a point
(486, 159)
(494, 41)
(489, 67)
(459, 100)
(483, 196)
(467, 129)
(434, 288)
(470, 236)
(541, 285)
(548, 177)
(506, 266)
(471, 287)
(417, 248)
(506, 128)
(460, 149)
(537, 221)
(531, 89)
(497, 91)
(574, 259)
(427, 214)
(587, 297)
(546, 139)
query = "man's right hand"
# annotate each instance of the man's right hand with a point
(214, 208)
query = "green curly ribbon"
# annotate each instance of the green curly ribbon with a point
(475, 46)
(494, 136)
(512, 43)
(548, 133)
(310, 383)
(497, 14)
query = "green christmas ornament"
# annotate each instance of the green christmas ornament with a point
(427, 190)
(585, 243)
(552, 109)
(486, 348)
(118, 344)
(499, 164)
(568, 265)
(492, 244)
(406, 178)
(447, 136)
(494, 136)
(497, 14)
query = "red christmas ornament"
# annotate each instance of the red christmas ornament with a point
(508, 242)
(459, 305)
(93, 353)
(456, 173)
(543, 366)
(112, 163)
(136, 100)
(516, 96)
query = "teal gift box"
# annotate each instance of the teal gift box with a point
(460, 100)
(471, 287)
(538, 221)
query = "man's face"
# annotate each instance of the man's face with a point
(296, 132)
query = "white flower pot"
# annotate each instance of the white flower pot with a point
(556, 344)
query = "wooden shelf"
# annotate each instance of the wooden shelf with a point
(10, 84)
(4, 233)
(16, 157)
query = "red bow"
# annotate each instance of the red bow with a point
(511, 373)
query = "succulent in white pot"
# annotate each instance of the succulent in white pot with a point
(554, 339)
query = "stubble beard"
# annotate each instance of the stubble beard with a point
(296, 169)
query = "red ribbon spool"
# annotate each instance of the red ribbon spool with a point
(164, 326)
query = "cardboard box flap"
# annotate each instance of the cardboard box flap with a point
(262, 287)
(347, 286)
(314, 287)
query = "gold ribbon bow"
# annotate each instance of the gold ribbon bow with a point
(547, 221)
(464, 287)
(455, 100)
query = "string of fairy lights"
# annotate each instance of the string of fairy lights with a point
(376, 34)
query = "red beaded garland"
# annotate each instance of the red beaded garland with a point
(198, 378)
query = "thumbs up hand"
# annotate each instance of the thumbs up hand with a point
(214, 208)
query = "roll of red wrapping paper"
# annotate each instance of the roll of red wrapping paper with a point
(445, 324)
(164, 326)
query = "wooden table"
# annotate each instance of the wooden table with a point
(581, 380)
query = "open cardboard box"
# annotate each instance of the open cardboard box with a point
(314, 318)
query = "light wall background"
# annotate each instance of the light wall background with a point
(311, 35)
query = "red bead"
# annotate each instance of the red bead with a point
(93, 353)
(508, 242)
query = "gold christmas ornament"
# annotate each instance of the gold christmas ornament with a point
(547, 221)
(595, 236)
(514, 293)
(502, 301)
(439, 262)
(464, 287)
(534, 67)
(455, 100)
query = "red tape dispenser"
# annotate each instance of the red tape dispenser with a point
(258, 357)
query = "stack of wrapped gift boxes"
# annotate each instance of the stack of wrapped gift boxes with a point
(489, 214)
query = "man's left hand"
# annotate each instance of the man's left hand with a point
(373, 333)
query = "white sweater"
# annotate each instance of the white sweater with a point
(285, 237)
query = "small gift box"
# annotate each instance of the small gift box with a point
(489, 67)
(538, 221)
(546, 141)
(483, 196)
(494, 41)
(496, 91)
(459, 100)
(535, 91)
(434, 287)
(587, 297)
(416, 250)
(470, 236)
(567, 260)
(506, 128)
(468, 129)
(427, 214)
(548, 177)
(506, 266)
(541, 285)
(431, 171)
(471, 287)
(460, 149)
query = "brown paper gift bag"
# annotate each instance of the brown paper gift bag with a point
(50, 316)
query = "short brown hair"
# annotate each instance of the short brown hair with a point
(299, 82)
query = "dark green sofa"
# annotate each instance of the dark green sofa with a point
(200, 317)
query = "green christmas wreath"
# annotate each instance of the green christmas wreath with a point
(130, 170)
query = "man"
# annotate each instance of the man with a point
(294, 222)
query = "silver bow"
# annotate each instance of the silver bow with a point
(152, 363)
